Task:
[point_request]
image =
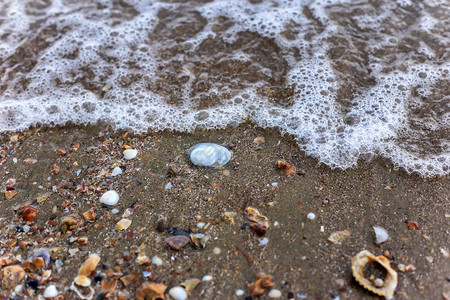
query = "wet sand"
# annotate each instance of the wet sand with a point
(302, 262)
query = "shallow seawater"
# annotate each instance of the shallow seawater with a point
(347, 79)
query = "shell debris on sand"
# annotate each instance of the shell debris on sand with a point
(129, 154)
(381, 235)
(209, 155)
(389, 283)
(110, 198)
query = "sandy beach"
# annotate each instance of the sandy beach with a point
(64, 171)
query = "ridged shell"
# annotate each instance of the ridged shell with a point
(209, 155)
(390, 282)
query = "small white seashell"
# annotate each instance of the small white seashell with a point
(201, 225)
(178, 293)
(311, 216)
(157, 261)
(82, 280)
(129, 154)
(116, 171)
(239, 292)
(110, 198)
(207, 278)
(274, 293)
(123, 224)
(380, 234)
(217, 251)
(264, 242)
(50, 291)
(209, 155)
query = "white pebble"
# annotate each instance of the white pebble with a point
(239, 292)
(264, 242)
(146, 274)
(116, 171)
(129, 154)
(114, 211)
(276, 223)
(157, 261)
(178, 293)
(50, 291)
(216, 251)
(311, 216)
(207, 278)
(168, 186)
(274, 293)
(110, 198)
(381, 235)
(201, 225)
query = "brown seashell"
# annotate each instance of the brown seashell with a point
(127, 279)
(29, 213)
(190, 284)
(57, 253)
(56, 169)
(151, 291)
(89, 216)
(229, 217)
(258, 228)
(108, 286)
(143, 260)
(9, 194)
(82, 240)
(30, 161)
(62, 151)
(161, 223)
(69, 223)
(259, 140)
(88, 267)
(262, 283)
(286, 168)
(199, 240)
(389, 283)
(173, 170)
(12, 276)
(177, 242)
(29, 266)
(39, 263)
(260, 223)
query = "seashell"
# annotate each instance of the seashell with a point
(161, 223)
(381, 235)
(286, 168)
(199, 240)
(157, 261)
(116, 171)
(69, 223)
(339, 236)
(38, 263)
(129, 154)
(82, 240)
(123, 224)
(177, 242)
(82, 292)
(389, 283)
(29, 213)
(262, 283)
(260, 223)
(209, 155)
(88, 267)
(89, 216)
(274, 294)
(143, 259)
(190, 284)
(57, 253)
(42, 253)
(82, 280)
(178, 293)
(11, 276)
(151, 291)
(51, 291)
(110, 198)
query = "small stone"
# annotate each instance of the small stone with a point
(50, 291)
(264, 242)
(274, 293)
(177, 242)
(201, 225)
(216, 251)
(29, 214)
(378, 282)
(168, 186)
(123, 224)
(110, 198)
(311, 216)
(114, 211)
(157, 261)
(12, 276)
(129, 154)
(239, 292)
(31, 161)
(178, 293)
(207, 278)
(259, 140)
(286, 168)
(116, 171)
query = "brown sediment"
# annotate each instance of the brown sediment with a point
(298, 255)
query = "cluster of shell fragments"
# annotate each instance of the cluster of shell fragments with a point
(382, 287)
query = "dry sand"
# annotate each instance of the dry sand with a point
(302, 262)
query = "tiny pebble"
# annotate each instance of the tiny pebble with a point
(239, 292)
(178, 293)
(114, 211)
(263, 242)
(50, 291)
(275, 184)
(15, 160)
(322, 229)
(276, 223)
(110, 198)
(26, 228)
(78, 172)
(226, 173)
(207, 278)
(274, 293)
(116, 171)
(201, 225)
(311, 216)
(157, 261)
(217, 251)
(58, 263)
(168, 185)
(146, 273)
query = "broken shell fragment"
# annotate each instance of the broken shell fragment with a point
(11, 276)
(123, 224)
(262, 283)
(229, 217)
(89, 216)
(286, 168)
(69, 223)
(129, 154)
(199, 240)
(151, 291)
(389, 283)
(177, 242)
(190, 284)
(260, 223)
(110, 198)
(339, 236)
(88, 267)
(381, 235)
(82, 280)
(209, 155)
